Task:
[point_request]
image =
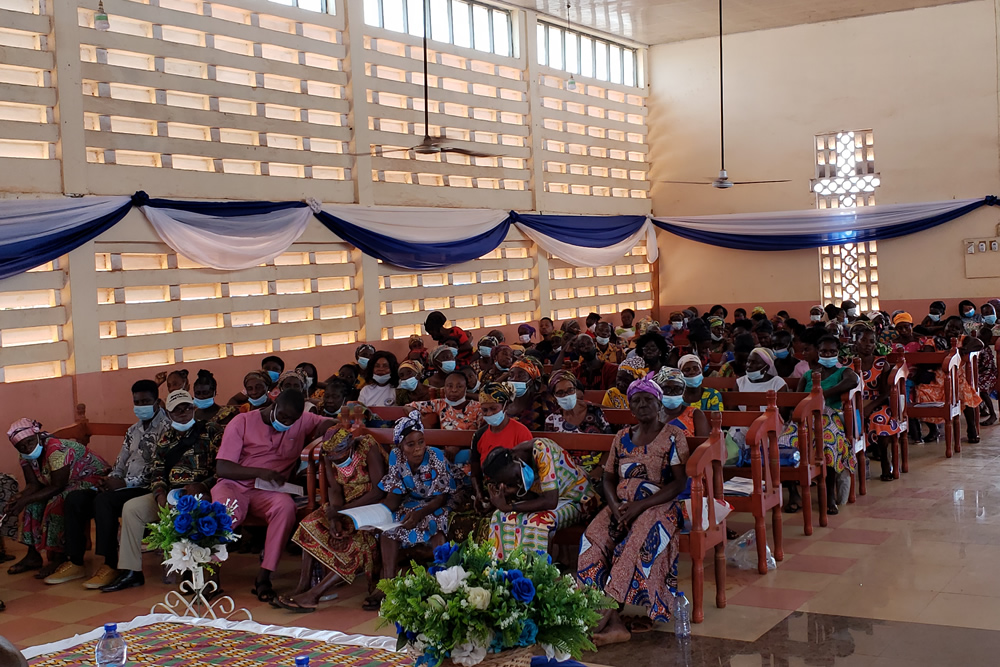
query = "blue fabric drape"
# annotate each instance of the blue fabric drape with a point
(227, 209)
(590, 231)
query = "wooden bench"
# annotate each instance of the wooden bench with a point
(856, 433)
(82, 430)
(722, 384)
(897, 399)
(949, 362)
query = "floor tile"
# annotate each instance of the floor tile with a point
(965, 611)
(771, 598)
(820, 564)
(858, 536)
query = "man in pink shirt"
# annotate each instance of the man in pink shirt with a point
(266, 445)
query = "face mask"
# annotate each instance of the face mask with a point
(204, 403)
(520, 388)
(592, 327)
(527, 475)
(815, 318)
(476, 388)
(454, 351)
(409, 384)
(853, 312)
(601, 340)
(257, 402)
(278, 426)
(969, 313)
(182, 427)
(755, 376)
(454, 404)
(567, 402)
(990, 319)
(694, 381)
(35, 453)
(381, 379)
(781, 354)
(934, 317)
(716, 337)
(309, 384)
(494, 420)
(144, 412)
(345, 463)
(448, 366)
(332, 414)
(676, 326)
(672, 402)
(485, 351)
(524, 338)
(828, 362)
(363, 362)
(557, 350)
(273, 375)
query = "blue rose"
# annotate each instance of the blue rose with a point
(434, 569)
(207, 525)
(544, 554)
(183, 522)
(523, 590)
(225, 522)
(497, 644)
(514, 575)
(444, 552)
(218, 509)
(186, 504)
(529, 632)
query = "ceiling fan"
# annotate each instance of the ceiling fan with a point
(722, 181)
(429, 145)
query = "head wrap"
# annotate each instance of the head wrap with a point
(636, 373)
(23, 428)
(688, 358)
(667, 375)
(902, 317)
(531, 329)
(295, 372)
(818, 307)
(406, 425)
(414, 366)
(633, 363)
(337, 440)
(646, 324)
(488, 341)
(716, 321)
(766, 355)
(872, 314)
(758, 310)
(415, 338)
(496, 350)
(364, 350)
(496, 333)
(646, 385)
(529, 365)
(497, 392)
(438, 351)
(256, 374)
(561, 376)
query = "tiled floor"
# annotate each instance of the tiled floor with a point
(905, 576)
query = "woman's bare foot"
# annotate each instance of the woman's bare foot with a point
(614, 633)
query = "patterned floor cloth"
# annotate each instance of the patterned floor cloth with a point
(176, 644)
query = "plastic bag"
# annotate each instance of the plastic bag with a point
(743, 553)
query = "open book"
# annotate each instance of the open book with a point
(738, 486)
(377, 516)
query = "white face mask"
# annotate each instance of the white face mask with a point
(853, 312)
(816, 318)
(525, 338)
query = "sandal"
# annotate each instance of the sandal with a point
(887, 478)
(832, 510)
(792, 508)
(373, 602)
(21, 567)
(289, 604)
(264, 591)
(638, 624)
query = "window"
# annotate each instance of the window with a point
(322, 6)
(846, 178)
(458, 22)
(582, 54)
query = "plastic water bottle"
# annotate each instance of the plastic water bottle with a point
(682, 618)
(302, 661)
(111, 649)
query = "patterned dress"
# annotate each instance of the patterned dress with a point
(8, 489)
(355, 552)
(615, 399)
(555, 471)
(837, 451)
(418, 488)
(43, 525)
(933, 392)
(685, 420)
(226, 414)
(710, 401)
(638, 564)
(534, 417)
(451, 419)
(881, 422)
(613, 355)
(593, 422)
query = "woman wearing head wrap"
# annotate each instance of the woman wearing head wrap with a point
(53, 468)
(484, 355)
(530, 406)
(742, 346)
(696, 394)
(363, 354)
(617, 397)
(572, 414)
(292, 379)
(689, 418)
(717, 330)
(411, 387)
(442, 363)
(501, 360)
(526, 334)
(881, 425)
(630, 549)
(255, 392)
(418, 352)
(761, 375)
(453, 411)
(353, 467)
(904, 339)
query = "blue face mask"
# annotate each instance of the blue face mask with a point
(35, 453)
(694, 381)
(828, 362)
(448, 366)
(781, 354)
(755, 376)
(454, 350)
(494, 420)
(182, 427)
(381, 379)
(567, 402)
(990, 319)
(934, 317)
(969, 313)
(455, 404)
(144, 412)
(204, 403)
(332, 414)
(520, 388)
(527, 476)
(274, 375)
(257, 402)
(346, 462)
(485, 351)
(672, 402)
(278, 426)
(409, 384)
(363, 362)
(601, 340)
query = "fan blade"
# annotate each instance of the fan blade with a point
(378, 152)
(465, 151)
(687, 182)
(759, 182)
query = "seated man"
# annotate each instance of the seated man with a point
(184, 460)
(266, 445)
(128, 479)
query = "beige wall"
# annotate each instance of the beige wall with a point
(925, 81)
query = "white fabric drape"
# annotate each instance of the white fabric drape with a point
(420, 225)
(26, 219)
(583, 256)
(229, 243)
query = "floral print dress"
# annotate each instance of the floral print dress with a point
(593, 422)
(418, 488)
(881, 422)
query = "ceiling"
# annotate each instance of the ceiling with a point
(658, 21)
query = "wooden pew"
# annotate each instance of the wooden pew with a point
(897, 399)
(720, 383)
(855, 432)
(594, 396)
(949, 362)
(972, 377)
(82, 430)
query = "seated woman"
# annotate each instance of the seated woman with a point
(175, 380)
(501, 360)
(904, 339)
(608, 348)
(786, 364)
(442, 363)
(575, 415)
(417, 352)
(351, 374)
(653, 350)
(53, 469)
(381, 380)
(363, 355)
(743, 344)
(454, 412)
(313, 388)
(933, 321)
(688, 418)
(418, 486)
(821, 351)
(484, 361)
(630, 549)
(761, 375)
(816, 316)
(353, 468)
(617, 396)
(705, 399)
(293, 379)
(987, 371)
(592, 373)
(881, 425)
(971, 319)
(411, 387)
(530, 405)
(254, 395)
(934, 392)
(205, 389)
(536, 489)
(719, 346)
(526, 335)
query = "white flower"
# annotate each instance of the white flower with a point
(479, 598)
(221, 553)
(551, 653)
(468, 654)
(185, 555)
(436, 602)
(420, 643)
(451, 579)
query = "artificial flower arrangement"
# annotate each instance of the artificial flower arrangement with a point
(469, 604)
(193, 534)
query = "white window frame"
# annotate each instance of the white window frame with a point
(544, 51)
(417, 31)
